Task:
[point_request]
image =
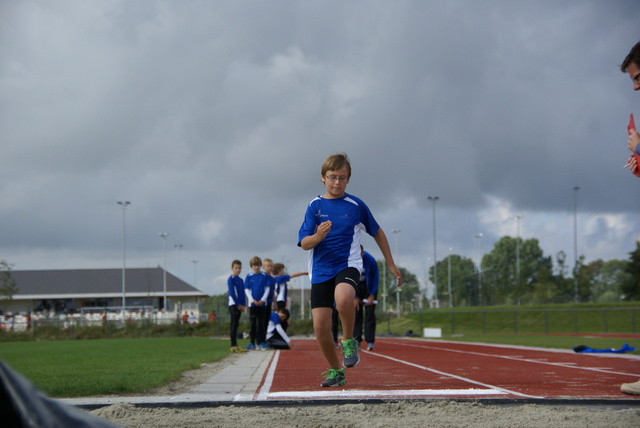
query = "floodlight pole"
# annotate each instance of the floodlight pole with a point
(518, 218)
(195, 273)
(478, 236)
(449, 282)
(434, 199)
(164, 268)
(178, 247)
(575, 243)
(124, 257)
(397, 257)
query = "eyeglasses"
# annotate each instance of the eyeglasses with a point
(334, 178)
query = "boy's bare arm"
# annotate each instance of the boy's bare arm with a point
(309, 242)
(297, 274)
(383, 244)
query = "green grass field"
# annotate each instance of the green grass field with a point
(108, 366)
(558, 319)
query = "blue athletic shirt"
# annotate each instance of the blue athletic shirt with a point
(341, 248)
(235, 287)
(371, 276)
(275, 326)
(282, 288)
(257, 286)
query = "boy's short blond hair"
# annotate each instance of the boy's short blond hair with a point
(336, 162)
(255, 261)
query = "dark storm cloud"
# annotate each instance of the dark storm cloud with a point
(213, 119)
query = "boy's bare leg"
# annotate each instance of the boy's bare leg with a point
(345, 303)
(324, 337)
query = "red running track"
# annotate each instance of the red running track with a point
(416, 368)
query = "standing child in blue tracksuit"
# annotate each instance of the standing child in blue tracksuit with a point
(282, 289)
(237, 303)
(257, 286)
(366, 301)
(267, 267)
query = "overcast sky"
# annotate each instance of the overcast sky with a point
(212, 118)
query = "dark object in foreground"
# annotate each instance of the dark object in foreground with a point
(22, 405)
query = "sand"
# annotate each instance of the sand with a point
(407, 413)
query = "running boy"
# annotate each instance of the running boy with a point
(237, 303)
(331, 231)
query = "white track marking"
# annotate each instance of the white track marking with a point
(526, 360)
(268, 381)
(464, 379)
(358, 393)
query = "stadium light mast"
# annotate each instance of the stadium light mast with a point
(449, 283)
(518, 218)
(478, 236)
(434, 199)
(195, 273)
(178, 247)
(164, 269)
(124, 205)
(575, 243)
(397, 257)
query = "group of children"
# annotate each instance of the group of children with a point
(258, 291)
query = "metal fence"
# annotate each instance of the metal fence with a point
(533, 321)
(451, 322)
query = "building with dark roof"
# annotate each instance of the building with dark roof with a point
(70, 291)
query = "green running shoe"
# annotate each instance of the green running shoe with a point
(350, 353)
(333, 377)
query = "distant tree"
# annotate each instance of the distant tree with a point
(463, 280)
(408, 293)
(563, 285)
(630, 288)
(8, 286)
(608, 279)
(500, 280)
(544, 290)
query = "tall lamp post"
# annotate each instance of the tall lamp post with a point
(164, 269)
(434, 199)
(449, 282)
(195, 273)
(575, 243)
(478, 236)
(518, 218)
(124, 205)
(384, 305)
(178, 247)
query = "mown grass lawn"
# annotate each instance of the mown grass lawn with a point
(108, 366)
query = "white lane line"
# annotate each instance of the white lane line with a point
(464, 379)
(358, 393)
(268, 380)
(526, 360)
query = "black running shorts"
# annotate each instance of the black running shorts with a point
(323, 293)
